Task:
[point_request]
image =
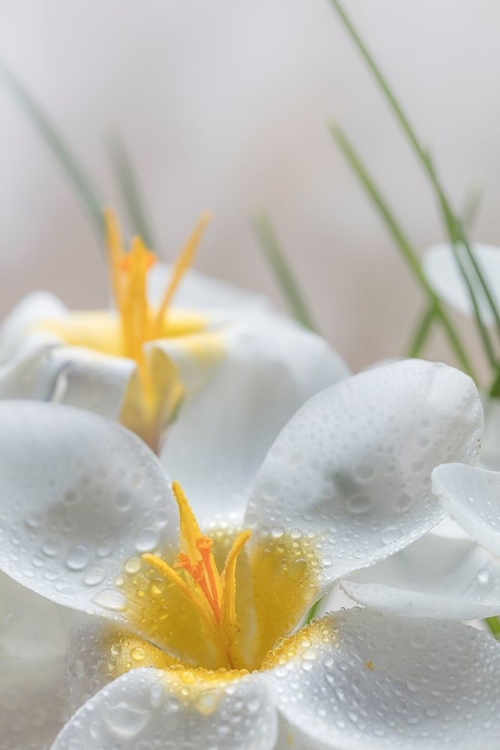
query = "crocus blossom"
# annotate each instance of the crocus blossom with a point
(147, 362)
(177, 608)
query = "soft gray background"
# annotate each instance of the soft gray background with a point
(224, 104)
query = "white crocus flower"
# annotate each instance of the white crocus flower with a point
(177, 628)
(148, 364)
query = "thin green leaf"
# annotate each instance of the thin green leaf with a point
(131, 192)
(71, 166)
(404, 245)
(453, 224)
(313, 611)
(494, 625)
(276, 258)
(471, 206)
(422, 331)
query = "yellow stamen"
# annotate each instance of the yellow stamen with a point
(183, 262)
(211, 594)
(138, 322)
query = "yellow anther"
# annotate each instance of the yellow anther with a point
(182, 264)
(129, 273)
(213, 595)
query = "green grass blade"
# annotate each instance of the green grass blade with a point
(471, 207)
(131, 192)
(453, 225)
(404, 245)
(422, 331)
(275, 256)
(74, 171)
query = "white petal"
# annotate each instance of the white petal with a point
(353, 467)
(33, 648)
(30, 310)
(89, 380)
(29, 373)
(449, 579)
(200, 292)
(31, 628)
(152, 709)
(470, 495)
(78, 496)
(361, 680)
(72, 375)
(227, 424)
(444, 276)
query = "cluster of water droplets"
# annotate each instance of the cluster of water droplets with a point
(382, 681)
(151, 710)
(352, 470)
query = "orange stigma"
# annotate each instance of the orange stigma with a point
(212, 594)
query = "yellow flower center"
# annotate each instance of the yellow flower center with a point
(129, 272)
(155, 392)
(211, 594)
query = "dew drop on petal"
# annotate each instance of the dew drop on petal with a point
(111, 599)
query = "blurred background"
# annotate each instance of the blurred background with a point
(225, 105)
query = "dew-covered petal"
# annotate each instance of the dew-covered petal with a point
(445, 277)
(26, 314)
(79, 495)
(267, 369)
(471, 497)
(449, 579)
(33, 649)
(205, 293)
(158, 710)
(362, 680)
(347, 482)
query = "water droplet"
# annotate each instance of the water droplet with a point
(359, 504)
(123, 500)
(138, 653)
(483, 577)
(78, 557)
(51, 547)
(111, 599)
(146, 540)
(93, 576)
(33, 520)
(133, 565)
(126, 722)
